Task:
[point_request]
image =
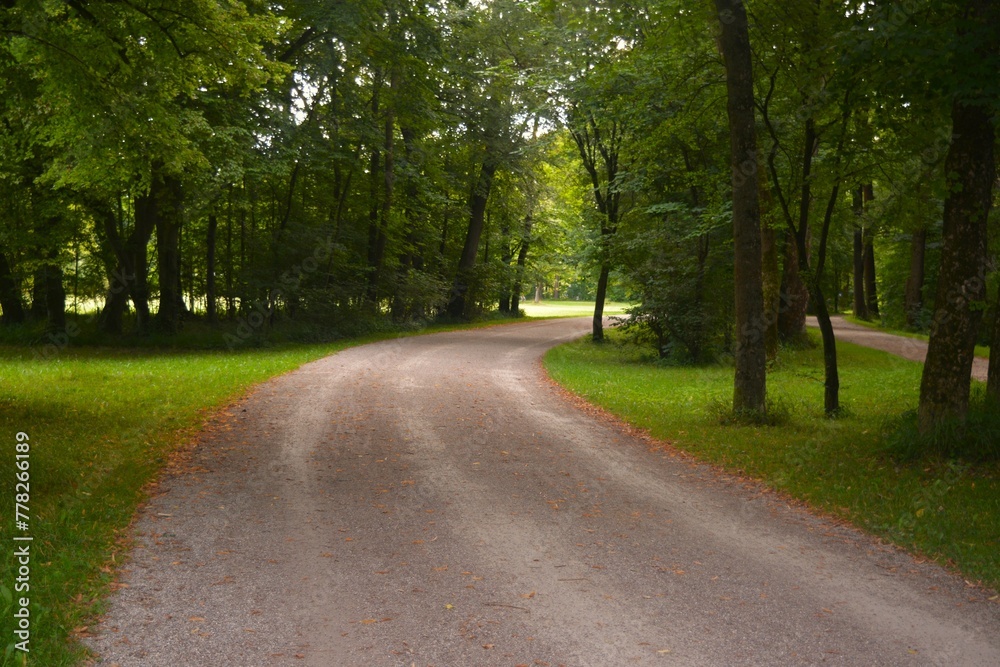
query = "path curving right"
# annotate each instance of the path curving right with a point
(913, 349)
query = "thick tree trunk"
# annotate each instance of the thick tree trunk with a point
(129, 276)
(210, 295)
(750, 386)
(913, 302)
(467, 263)
(971, 169)
(55, 298)
(10, 294)
(794, 295)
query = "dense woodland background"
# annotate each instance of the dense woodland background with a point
(326, 168)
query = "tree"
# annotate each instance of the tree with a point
(750, 387)
(970, 171)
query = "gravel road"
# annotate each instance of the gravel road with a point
(913, 349)
(436, 501)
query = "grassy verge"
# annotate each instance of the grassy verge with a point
(946, 511)
(570, 308)
(102, 422)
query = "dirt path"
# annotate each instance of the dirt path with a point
(434, 501)
(908, 348)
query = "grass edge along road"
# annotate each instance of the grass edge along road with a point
(103, 423)
(945, 511)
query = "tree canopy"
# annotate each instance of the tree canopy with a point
(334, 166)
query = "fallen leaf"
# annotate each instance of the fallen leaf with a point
(196, 619)
(528, 596)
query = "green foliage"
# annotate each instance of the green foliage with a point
(674, 263)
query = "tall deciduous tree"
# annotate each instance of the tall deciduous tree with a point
(971, 172)
(750, 387)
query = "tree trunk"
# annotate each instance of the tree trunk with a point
(210, 295)
(871, 287)
(374, 180)
(411, 258)
(36, 312)
(10, 294)
(602, 293)
(860, 304)
(914, 298)
(831, 380)
(538, 292)
(771, 270)
(772, 290)
(993, 379)
(794, 295)
(129, 275)
(970, 168)
(467, 262)
(55, 298)
(831, 374)
(750, 386)
(168, 255)
(522, 260)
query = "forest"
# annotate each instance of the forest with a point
(329, 168)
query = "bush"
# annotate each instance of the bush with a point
(680, 270)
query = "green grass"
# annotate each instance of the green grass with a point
(102, 422)
(981, 350)
(570, 308)
(947, 511)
